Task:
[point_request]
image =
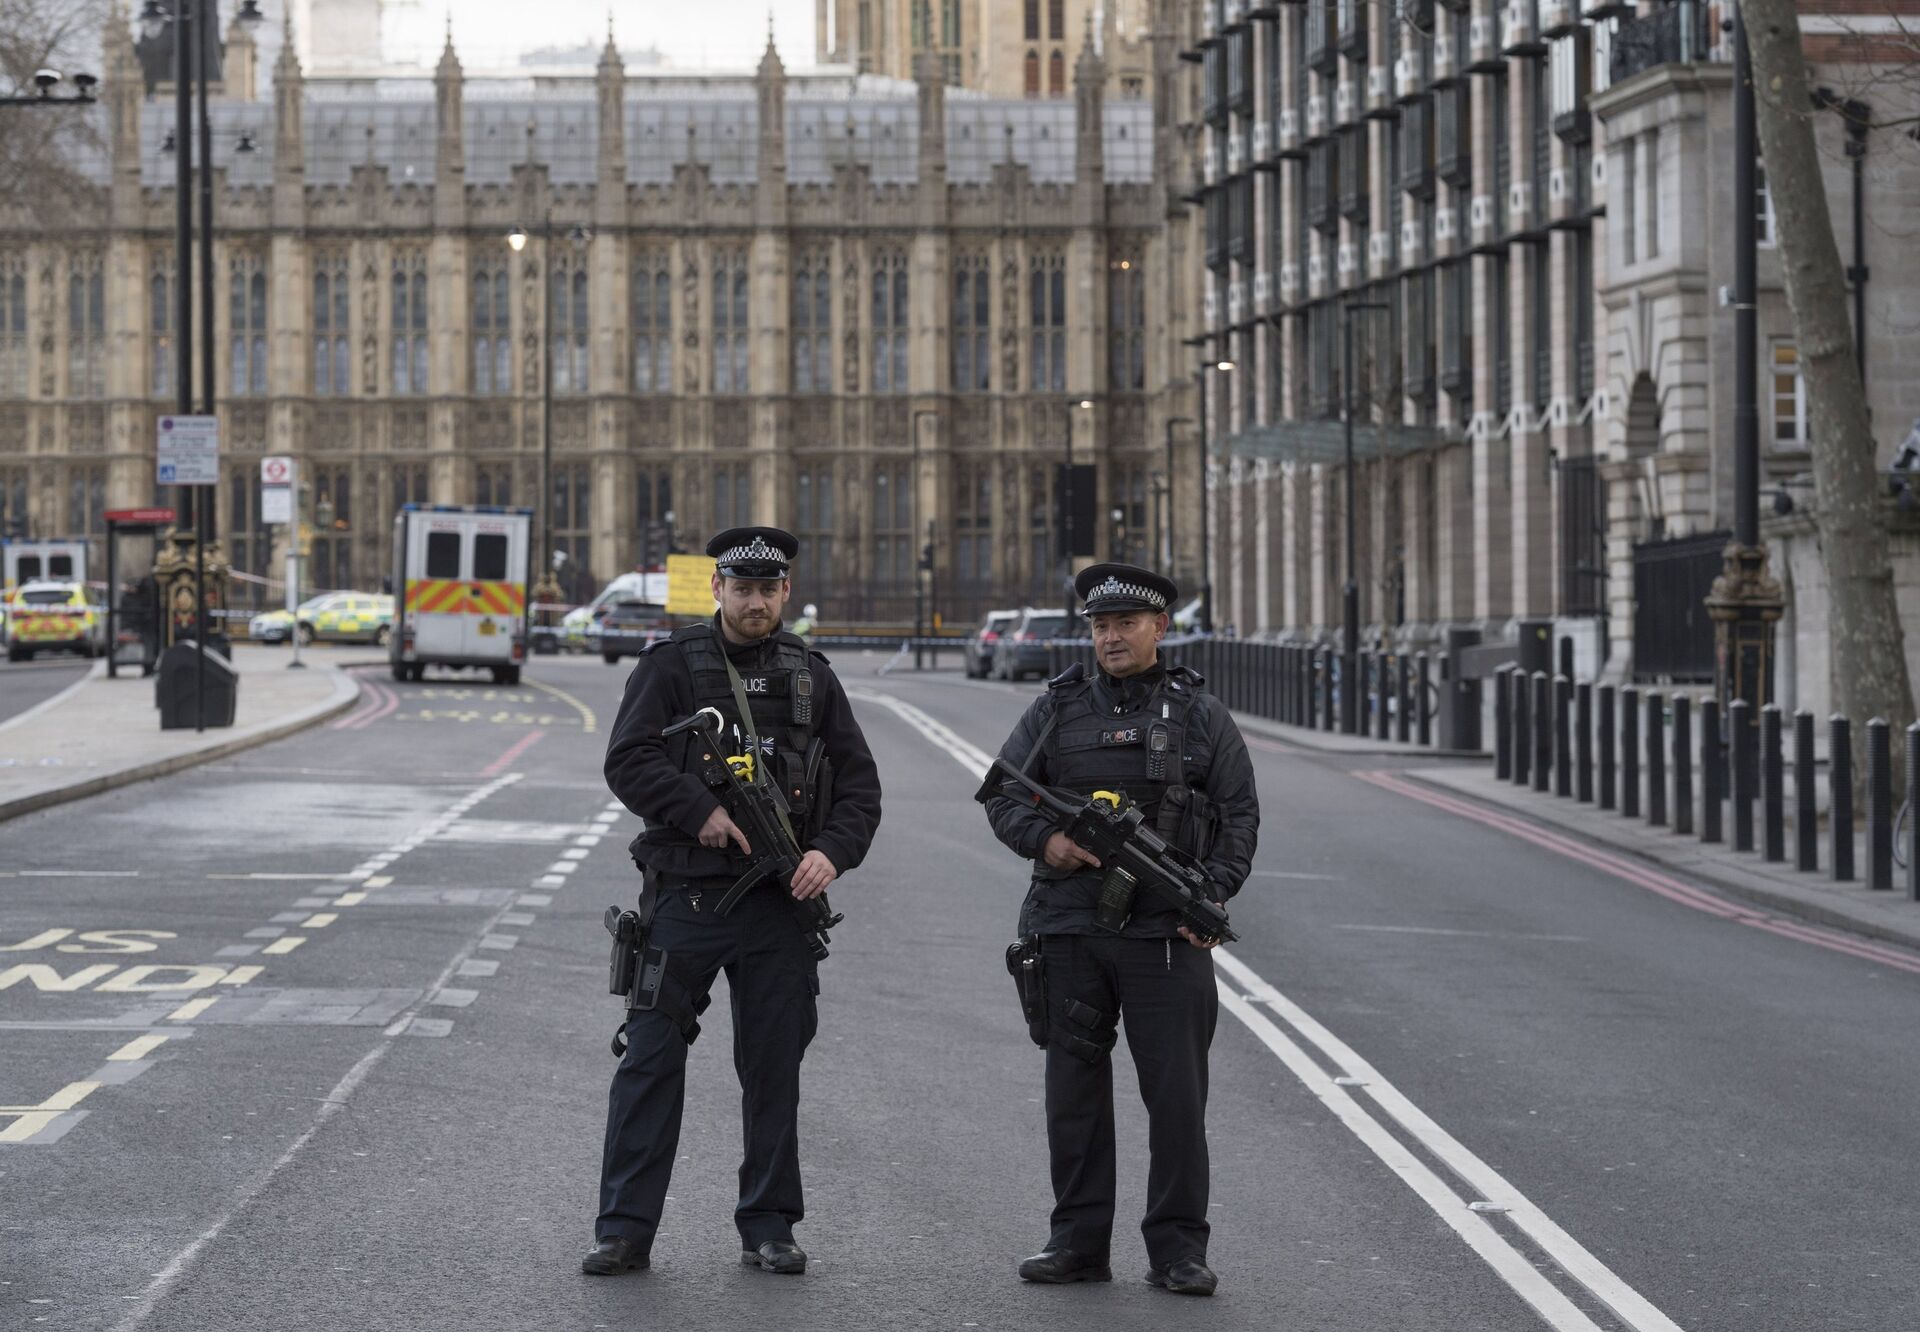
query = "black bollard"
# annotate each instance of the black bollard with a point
(1583, 742)
(1502, 726)
(1562, 737)
(1913, 824)
(1682, 764)
(1713, 773)
(1741, 729)
(1332, 682)
(1403, 705)
(1630, 752)
(1542, 731)
(1840, 779)
(1422, 689)
(1773, 784)
(1604, 723)
(1656, 761)
(1522, 729)
(1806, 820)
(1382, 727)
(1879, 805)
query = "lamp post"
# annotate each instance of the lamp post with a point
(547, 591)
(1350, 599)
(1172, 421)
(1206, 501)
(920, 586)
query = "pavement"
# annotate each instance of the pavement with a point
(315, 1036)
(93, 733)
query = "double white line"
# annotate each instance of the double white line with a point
(1476, 1195)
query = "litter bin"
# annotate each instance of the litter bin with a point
(185, 701)
(1459, 693)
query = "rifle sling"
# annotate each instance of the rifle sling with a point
(753, 743)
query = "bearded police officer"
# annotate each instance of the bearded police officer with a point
(1141, 728)
(782, 705)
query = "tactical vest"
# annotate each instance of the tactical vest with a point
(1139, 752)
(780, 697)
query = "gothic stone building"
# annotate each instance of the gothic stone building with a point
(867, 310)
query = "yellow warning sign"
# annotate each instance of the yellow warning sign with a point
(690, 585)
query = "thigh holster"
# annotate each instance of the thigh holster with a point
(1083, 1031)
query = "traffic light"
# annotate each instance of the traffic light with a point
(926, 558)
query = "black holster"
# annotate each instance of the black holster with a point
(1029, 981)
(1084, 1032)
(638, 971)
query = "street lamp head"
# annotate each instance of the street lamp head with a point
(85, 84)
(246, 144)
(1225, 365)
(517, 239)
(45, 79)
(1085, 404)
(153, 20)
(249, 13)
(166, 144)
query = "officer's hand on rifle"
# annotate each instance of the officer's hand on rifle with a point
(1063, 853)
(813, 876)
(719, 827)
(1196, 940)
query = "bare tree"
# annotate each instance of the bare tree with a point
(43, 149)
(1869, 659)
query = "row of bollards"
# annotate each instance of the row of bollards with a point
(1639, 752)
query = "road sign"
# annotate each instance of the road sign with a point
(158, 517)
(690, 584)
(276, 471)
(188, 451)
(276, 490)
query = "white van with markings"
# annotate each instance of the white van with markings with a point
(460, 577)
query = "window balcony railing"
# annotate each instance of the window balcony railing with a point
(1674, 34)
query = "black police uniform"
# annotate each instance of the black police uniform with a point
(1175, 751)
(772, 976)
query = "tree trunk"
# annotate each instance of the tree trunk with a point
(1869, 659)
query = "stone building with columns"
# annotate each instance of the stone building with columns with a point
(1523, 210)
(863, 308)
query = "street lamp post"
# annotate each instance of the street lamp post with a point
(921, 588)
(1067, 496)
(1172, 421)
(547, 591)
(1350, 600)
(1206, 500)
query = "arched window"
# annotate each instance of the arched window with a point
(331, 299)
(1033, 73)
(1056, 74)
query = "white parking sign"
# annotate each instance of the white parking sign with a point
(188, 451)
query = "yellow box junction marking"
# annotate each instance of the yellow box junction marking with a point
(31, 1119)
(138, 1048)
(192, 1009)
(282, 946)
(319, 920)
(350, 899)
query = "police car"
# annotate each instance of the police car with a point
(51, 617)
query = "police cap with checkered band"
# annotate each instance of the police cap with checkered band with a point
(1109, 589)
(753, 552)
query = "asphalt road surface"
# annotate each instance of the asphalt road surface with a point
(25, 684)
(317, 1038)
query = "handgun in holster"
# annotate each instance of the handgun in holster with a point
(1024, 964)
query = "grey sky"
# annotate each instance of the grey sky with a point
(691, 33)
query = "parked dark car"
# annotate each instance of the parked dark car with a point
(1023, 651)
(979, 654)
(626, 628)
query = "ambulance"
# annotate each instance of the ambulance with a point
(460, 576)
(56, 561)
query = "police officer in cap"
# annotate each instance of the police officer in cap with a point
(782, 704)
(1137, 726)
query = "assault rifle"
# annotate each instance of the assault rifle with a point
(757, 805)
(1114, 830)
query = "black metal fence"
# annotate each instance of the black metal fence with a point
(1300, 684)
(1656, 750)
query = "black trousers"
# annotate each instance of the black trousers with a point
(1163, 993)
(772, 981)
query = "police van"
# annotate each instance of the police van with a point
(460, 576)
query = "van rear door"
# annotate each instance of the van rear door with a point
(497, 596)
(435, 590)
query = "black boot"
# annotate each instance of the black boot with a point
(781, 1256)
(610, 1257)
(1059, 1266)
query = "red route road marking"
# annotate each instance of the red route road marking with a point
(514, 751)
(1652, 880)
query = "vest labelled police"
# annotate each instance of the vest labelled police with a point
(788, 742)
(1095, 954)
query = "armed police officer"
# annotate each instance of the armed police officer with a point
(779, 706)
(1146, 733)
